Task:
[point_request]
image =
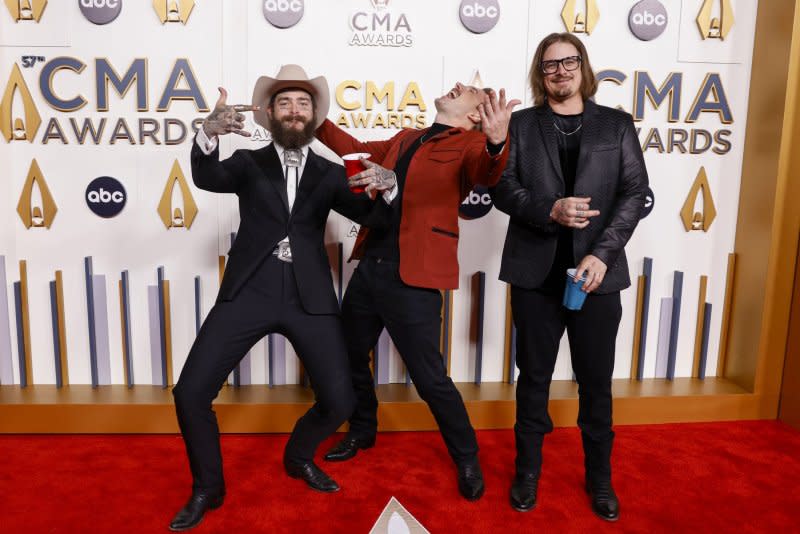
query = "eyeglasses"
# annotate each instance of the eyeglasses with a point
(569, 63)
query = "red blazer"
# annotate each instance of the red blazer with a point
(441, 174)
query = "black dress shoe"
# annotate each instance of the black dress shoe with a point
(523, 491)
(190, 515)
(313, 475)
(604, 501)
(470, 481)
(348, 447)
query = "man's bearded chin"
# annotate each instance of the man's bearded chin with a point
(290, 137)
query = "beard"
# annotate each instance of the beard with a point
(290, 137)
(561, 92)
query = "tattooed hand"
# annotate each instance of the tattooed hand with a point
(374, 178)
(573, 212)
(225, 119)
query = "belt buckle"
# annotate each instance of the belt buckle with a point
(284, 252)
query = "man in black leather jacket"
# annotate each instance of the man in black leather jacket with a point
(574, 187)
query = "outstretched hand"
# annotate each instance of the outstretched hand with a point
(225, 119)
(495, 116)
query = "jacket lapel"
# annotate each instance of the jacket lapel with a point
(548, 131)
(312, 174)
(589, 137)
(270, 165)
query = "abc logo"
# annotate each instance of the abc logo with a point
(100, 11)
(106, 196)
(479, 16)
(283, 13)
(648, 19)
(477, 204)
(649, 204)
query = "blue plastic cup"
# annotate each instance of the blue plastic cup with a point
(574, 296)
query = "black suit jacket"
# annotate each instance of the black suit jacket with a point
(611, 170)
(256, 176)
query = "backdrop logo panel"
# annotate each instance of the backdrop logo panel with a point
(182, 215)
(648, 19)
(18, 128)
(106, 197)
(283, 13)
(710, 98)
(479, 16)
(36, 206)
(477, 204)
(372, 105)
(101, 11)
(580, 16)
(181, 85)
(173, 10)
(380, 26)
(712, 27)
(26, 9)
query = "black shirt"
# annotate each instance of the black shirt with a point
(568, 139)
(383, 241)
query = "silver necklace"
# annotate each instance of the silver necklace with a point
(568, 133)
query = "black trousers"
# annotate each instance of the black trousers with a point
(540, 320)
(376, 297)
(268, 303)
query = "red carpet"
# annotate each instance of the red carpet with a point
(718, 477)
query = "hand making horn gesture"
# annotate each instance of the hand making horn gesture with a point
(225, 119)
(495, 115)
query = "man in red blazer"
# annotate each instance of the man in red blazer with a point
(405, 262)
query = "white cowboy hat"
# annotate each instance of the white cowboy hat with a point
(291, 76)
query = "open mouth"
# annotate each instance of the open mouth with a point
(453, 94)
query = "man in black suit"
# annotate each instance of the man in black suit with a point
(277, 279)
(574, 187)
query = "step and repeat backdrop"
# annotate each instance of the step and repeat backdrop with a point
(110, 257)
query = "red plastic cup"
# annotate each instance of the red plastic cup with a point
(353, 166)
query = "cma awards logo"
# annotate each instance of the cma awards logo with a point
(648, 19)
(177, 208)
(101, 11)
(477, 204)
(106, 197)
(20, 119)
(479, 16)
(173, 10)
(363, 105)
(380, 27)
(283, 13)
(580, 18)
(25, 10)
(36, 207)
(715, 27)
(700, 217)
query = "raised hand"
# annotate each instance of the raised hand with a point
(225, 119)
(374, 178)
(495, 116)
(573, 212)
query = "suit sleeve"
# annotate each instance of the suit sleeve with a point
(211, 174)
(357, 207)
(513, 198)
(480, 167)
(629, 201)
(343, 143)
